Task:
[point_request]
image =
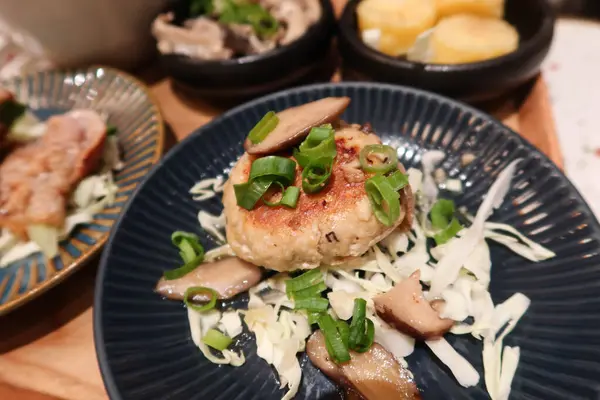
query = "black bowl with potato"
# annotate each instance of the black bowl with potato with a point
(472, 81)
(238, 68)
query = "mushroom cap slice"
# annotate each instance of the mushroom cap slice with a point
(228, 277)
(374, 375)
(405, 308)
(295, 123)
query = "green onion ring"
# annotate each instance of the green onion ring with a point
(194, 290)
(275, 203)
(314, 304)
(357, 326)
(367, 339)
(320, 143)
(397, 180)
(279, 169)
(316, 174)
(344, 331)
(333, 339)
(265, 126)
(385, 201)
(311, 291)
(248, 194)
(304, 281)
(290, 197)
(389, 163)
(313, 317)
(216, 340)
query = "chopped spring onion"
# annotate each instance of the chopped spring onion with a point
(316, 174)
(194, 290)
(398, 180)
(357, 326)
(263, 173)
(247, 194)
(311, 291)
(385, 201)
(275, 203)
(319, 143)
(378, 158)
(362, 329)
(333, 339)
(313, 317)
(448, 233)
(189, 245)
(344, 331)
(442, 217)
(216, 340)
(265, 126)
(304, 281)
(191, 252)
(289, 197)
(10, 111)
(441, 213)
(313, 304)
(280, 169)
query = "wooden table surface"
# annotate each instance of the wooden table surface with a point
(46, 347)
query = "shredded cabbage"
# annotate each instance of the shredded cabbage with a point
(462, 370)
(212, 224)
(449, 266)
(200, 323)
(278, 339)
(202, 189)
(231, 323)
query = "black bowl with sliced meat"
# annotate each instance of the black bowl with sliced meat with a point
(244, 75)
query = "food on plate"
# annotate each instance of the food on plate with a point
(328, 227)
(47, 181)
(369, 259)
(406, 309)
(224, 29)
(393, 26)
(374, 374)
(450, 32)
(466, 38)
(228, 277)
(36, 179)
(485, 8)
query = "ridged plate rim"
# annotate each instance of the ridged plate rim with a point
(106, 372)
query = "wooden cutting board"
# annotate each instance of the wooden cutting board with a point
(46, 347)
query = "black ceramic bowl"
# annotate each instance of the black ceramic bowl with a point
(143, 341)
(534, 19)
(250, 76)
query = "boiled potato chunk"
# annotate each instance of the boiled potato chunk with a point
(399, 22)
(469, 38)
(485, 8)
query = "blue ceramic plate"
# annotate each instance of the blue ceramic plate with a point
(130, 108)
(143, 342)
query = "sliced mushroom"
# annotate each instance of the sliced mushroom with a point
(405, 308)
(228, 277)
(373, 375)
(295, 123)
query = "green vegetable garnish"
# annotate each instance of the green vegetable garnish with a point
(442, 218)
